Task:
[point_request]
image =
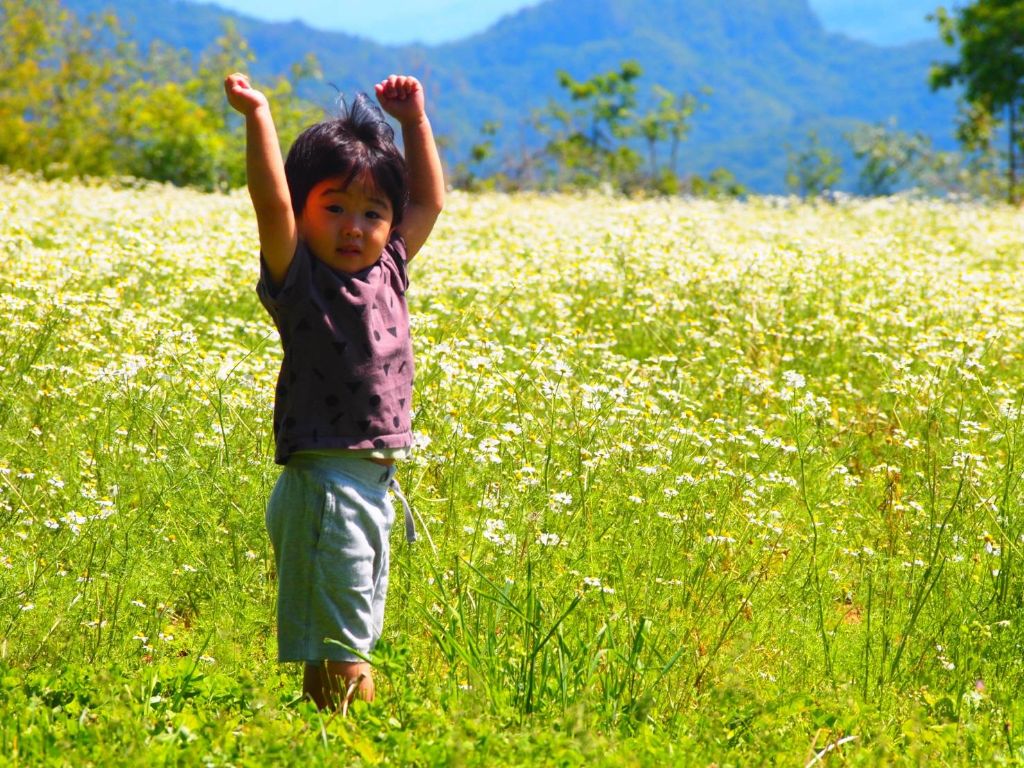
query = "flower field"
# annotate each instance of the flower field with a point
(698, 482)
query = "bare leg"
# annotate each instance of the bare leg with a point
(334, 684)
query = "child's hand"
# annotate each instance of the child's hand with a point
(401, 96)
(242, 96)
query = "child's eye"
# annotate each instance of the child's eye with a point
(334, 208)
(372, 215)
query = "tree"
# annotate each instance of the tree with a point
(587, 142)
(720, 183)
(176, 126)
(78, 99)
(989, 35)
(813, 169)
(889, 157)
(595, 141)
(59, 80)
(668, 120)
(465, 177)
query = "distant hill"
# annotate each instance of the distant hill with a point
(773, 71)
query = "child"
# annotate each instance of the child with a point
(338, 223)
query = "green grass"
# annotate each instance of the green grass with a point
(731, 483)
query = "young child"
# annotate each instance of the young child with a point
(338, 223)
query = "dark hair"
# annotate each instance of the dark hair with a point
(348, 146)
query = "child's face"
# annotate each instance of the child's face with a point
(346, 227)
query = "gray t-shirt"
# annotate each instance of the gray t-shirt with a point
(346, 378)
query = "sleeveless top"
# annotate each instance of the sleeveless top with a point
(346, 378)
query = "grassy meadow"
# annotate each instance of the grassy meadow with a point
(704, 482)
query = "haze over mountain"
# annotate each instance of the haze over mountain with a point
(396, 22)
(392, 22)
(773, 70)
(883, 22)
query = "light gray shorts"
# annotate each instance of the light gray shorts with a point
(329, 519)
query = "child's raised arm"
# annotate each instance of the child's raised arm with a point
(264, 170)
(402, 97)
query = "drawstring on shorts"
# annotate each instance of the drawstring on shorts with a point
(410, 524)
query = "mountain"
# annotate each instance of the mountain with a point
(773, 71)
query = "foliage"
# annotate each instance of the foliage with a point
(587, 142)
(890, 158)
(720, 183)
(594, 143)
(78, 99)
(705, 482)
(813, 168)
(989, 36)
(668, 120)
(58, 86)
(763, 60)
(468, 175)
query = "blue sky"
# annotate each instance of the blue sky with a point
(434, 21)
